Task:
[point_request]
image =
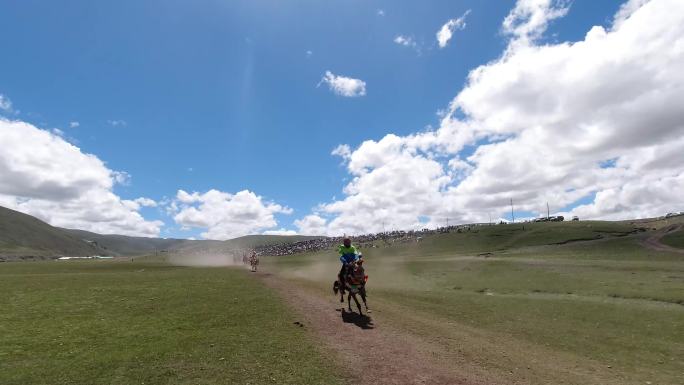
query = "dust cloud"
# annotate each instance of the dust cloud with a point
(206, 258)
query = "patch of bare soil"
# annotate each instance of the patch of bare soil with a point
(374, 353)
(653, 242)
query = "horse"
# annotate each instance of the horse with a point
(254, 262)
(354, 283)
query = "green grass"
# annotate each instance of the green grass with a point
(568, 311)
(506, 237)
(674, 239)
(576, 303)
(101, 322)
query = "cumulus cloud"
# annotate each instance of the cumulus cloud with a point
(312, 225)
(146, 202)
(43, 175)
(226, 216)
(530, 18)
(599, 119)
(344, 86)
(447, 31)
(343, 151)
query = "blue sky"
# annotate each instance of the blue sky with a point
(223, 94)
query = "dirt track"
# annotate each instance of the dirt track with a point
(653, 242)
(375, 355)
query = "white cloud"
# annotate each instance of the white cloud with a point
(407, 41)
(121, 177)
(117, 123)
(557, 122)
(344, 86)
(225, 215)
(530, 18)
(342, 150)
(381, 12)
(626, 10)
(74, 124)
(43, 175)
(280, 232)
(146, 202)
(5, 103)
(136, 204)
(309, 53)
(447, 31)
(312, 225)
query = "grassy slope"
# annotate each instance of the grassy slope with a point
(21, 234)
(133, 246)
(125, 245)
(674, 239)
(24, 235)
(604, 311)
(100, 322)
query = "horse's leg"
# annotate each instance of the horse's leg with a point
(363, 296)
(358, 305)
(349, 301)
(340, 279)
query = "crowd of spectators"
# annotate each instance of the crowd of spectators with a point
(361, 242)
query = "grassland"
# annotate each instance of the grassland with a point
(675, 239)
(543, 303)
(554, 303)
(99, 322)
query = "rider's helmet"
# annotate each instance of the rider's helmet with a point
(346, 242)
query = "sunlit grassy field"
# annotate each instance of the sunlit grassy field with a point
(528, 303)
(547, 303)
(127, 323)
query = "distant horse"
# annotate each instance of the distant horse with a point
(254, 262)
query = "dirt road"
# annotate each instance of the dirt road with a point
(374, 355)
(653, 242)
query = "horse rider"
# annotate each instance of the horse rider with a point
(254, 260)
(348, 255)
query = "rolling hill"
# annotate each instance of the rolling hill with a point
(25, 237)
(125, 245)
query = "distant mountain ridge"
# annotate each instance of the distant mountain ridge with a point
(126, 245)
(23, 237)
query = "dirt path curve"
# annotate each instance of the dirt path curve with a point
(653, 242)
(375, 354)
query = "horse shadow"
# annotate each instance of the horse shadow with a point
(361, 320)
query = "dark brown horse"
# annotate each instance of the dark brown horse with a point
(355, 284)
